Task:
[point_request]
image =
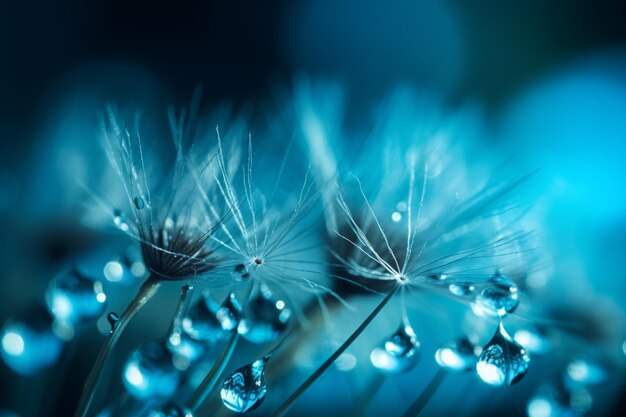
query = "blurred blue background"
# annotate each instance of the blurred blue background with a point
(549, 78)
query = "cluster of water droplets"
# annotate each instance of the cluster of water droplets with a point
(399, 353)
(503, 361)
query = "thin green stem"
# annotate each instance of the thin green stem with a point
(422, 400)
(148, 289)
(289, 402)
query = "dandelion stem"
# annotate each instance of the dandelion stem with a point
(422, 400)
(289, 402)
(209, 381)
(148, 289)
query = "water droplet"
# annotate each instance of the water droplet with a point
(456, 355)
(264, 318)
(139, 202)
(170, 409)
(499, 298)
(28, 342)
(150, 373)
(396, 216)
(399, 353)
(503, 361)
(229, 313)
(201, 322)
(584, 372)
(113, 318)
(437, 276)
(240, 272)
(401, 206)
(244, 390)
(533, 340)
(74, 298)
(185, 349)
(461, 289)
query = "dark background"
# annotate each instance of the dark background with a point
(236, 48)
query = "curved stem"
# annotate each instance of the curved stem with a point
(285, 406)
(426, 394)
(148, 289)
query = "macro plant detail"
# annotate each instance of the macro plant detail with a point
(295, 258)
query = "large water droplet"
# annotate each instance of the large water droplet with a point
(264, 318)
(139, 202)
(170, 409)
(28, 342)
(456, 355)
(229, 313)
(150, 373)
(201, 322)
(399, 353)
(499, 298)
(74, 298)
(503, 361)
(244, 390)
